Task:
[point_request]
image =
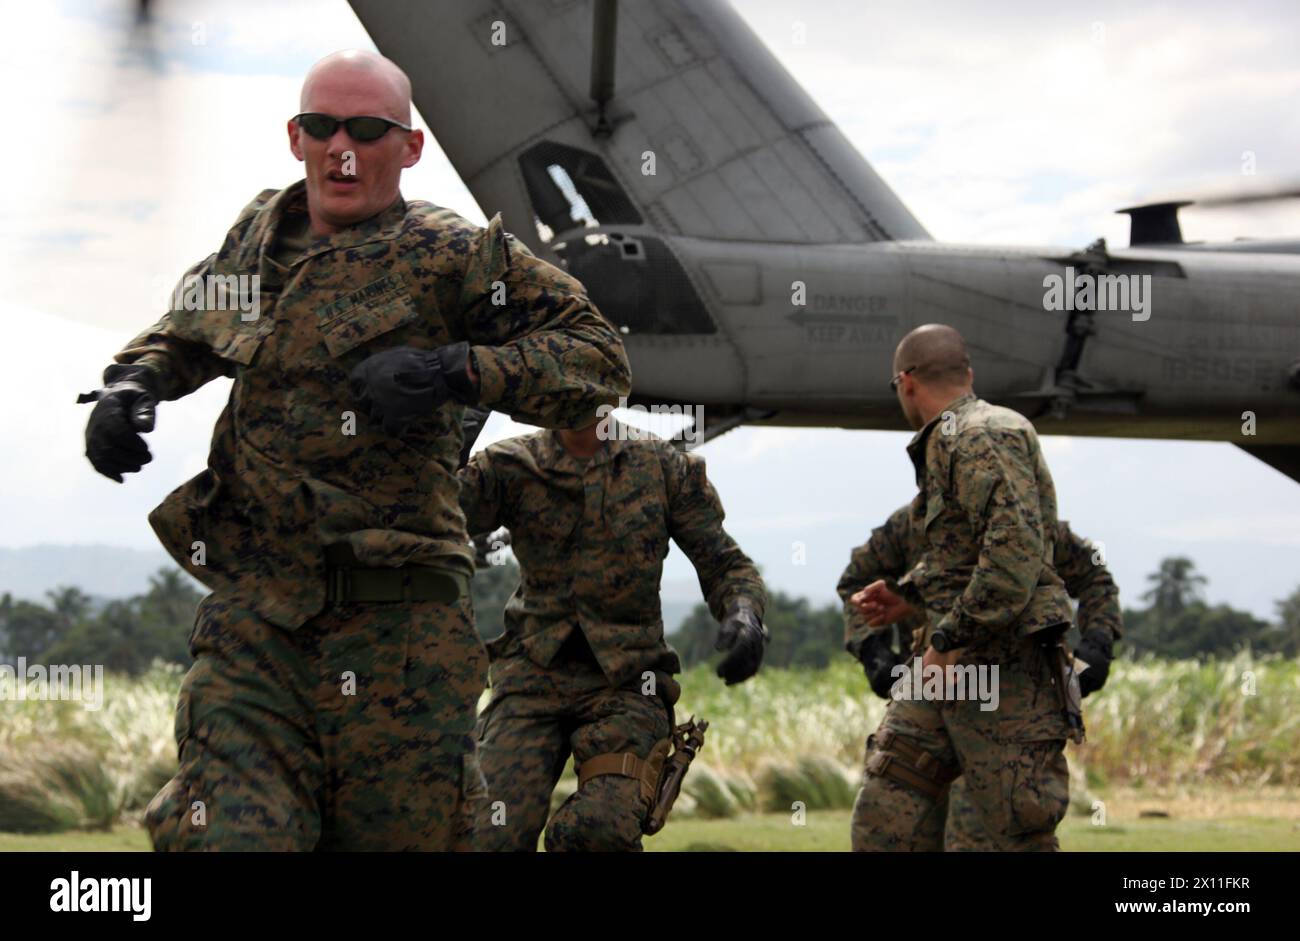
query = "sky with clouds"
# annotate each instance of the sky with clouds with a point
(996, 123)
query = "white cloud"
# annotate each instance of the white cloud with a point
(1269, 529)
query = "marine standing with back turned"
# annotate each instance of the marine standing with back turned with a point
(984, 592)
(892, 550)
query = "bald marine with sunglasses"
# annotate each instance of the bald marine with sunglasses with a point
(331, 703)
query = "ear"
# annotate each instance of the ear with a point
(414, 147)
(294, 145)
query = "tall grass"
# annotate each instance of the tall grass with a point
(1233, 723)
(63, 765)
(784, 737)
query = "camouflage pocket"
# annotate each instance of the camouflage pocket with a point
(365, 323)
(218, 311)
(1039, 786)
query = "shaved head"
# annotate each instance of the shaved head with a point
(388, 87)
(936, 352)
(937, 370)
(350, 180)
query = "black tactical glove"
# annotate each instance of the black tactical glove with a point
(878, 658)
(471, 426)
(1095, 649)
(124, 407)
(397, 386)
(743, 635)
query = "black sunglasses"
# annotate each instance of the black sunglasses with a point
(893, 383)
(363, 128)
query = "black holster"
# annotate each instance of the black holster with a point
(1061, 663)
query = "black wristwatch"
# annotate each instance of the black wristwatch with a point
(940, 642)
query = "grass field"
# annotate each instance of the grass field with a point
(828, 831)
(1213, 748)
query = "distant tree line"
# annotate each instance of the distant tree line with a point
(802, 636)
(1176, 624)
(123, 635)
(128, 635)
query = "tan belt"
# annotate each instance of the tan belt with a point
(627, 765)
(910, 765)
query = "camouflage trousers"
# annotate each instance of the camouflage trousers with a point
(1010, 761)
(963, 831)
(536, 718)
(354, 732)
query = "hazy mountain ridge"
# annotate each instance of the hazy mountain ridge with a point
(101, 571)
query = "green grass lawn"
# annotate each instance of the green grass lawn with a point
(121, 839)
(828, 831)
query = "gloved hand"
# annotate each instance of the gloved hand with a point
(471, 426)
(1096, 648)
(124, 407)
(743, 635)
(400, 385)
(878, 659)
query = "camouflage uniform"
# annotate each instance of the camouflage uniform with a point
(889, 554)
(582, 666)
(984, 522)
(305, 724)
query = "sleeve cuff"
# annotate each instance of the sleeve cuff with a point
(491, 364)
(154, 366)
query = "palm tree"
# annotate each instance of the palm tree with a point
(172, 595)
(1288, 627)
(71, 604)
(1177, 585)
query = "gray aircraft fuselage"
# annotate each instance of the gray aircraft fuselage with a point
(1220, 337)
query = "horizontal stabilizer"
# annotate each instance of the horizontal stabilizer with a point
(688, 124)
(1281, 457)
